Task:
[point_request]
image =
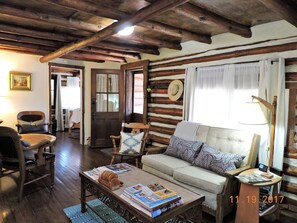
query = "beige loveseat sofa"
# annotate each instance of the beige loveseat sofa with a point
(216, 188)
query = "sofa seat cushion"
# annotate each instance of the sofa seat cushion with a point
(201, 178)
(163, 163)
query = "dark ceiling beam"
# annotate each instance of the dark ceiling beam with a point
(25, 39)
(69, 38)
(139, 38)
(111, 13)
(26, 50)
(29, 14)
(177, 32)
(209, 18)
(141, 15)
(284, 9)
(128, 47)
(111, 52)
(43, 42)
(16, 13)
(80, 54)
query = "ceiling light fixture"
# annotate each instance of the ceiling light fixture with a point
(126, 31)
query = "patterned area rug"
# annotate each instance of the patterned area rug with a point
(105, 214)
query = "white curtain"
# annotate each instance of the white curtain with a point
(101, 98)
(215, 95)
(107, 84)
(70, 96)
(59, 108)
(272, 83)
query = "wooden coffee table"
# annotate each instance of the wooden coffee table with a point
(191, 209)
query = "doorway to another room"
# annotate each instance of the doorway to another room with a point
(67, 100)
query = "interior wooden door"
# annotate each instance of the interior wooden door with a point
(107, 105)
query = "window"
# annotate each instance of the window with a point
(107, 93)
(138, 94)
(215, 95)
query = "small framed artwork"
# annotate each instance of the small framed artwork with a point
(20, 81)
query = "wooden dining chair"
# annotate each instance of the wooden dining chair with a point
(20, 156)
(32, 122)
(131, 142)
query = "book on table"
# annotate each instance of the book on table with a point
(156, 212)
(151, 197)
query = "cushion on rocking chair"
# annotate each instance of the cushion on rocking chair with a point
(131, 143)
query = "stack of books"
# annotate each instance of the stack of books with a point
(153, 199)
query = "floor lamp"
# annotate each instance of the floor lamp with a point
(258, 118)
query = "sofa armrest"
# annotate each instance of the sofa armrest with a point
(155, 150)
(235, 172)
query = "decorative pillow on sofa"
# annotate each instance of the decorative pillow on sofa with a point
(216, 161)
(183, 149)
(131, 143)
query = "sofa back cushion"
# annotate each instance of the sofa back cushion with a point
(183, 149)
(231, 141)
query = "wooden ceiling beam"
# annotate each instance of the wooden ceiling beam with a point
(33, 33)
(111, 13)
(209, 18)
(40, 52)
(283, 8)
(29, 14)
(69, 38)
(111, 52)
(177, 32)
(141, 15)
(127, 47)
(15, 13)
(80, 54)
(24, 39)
(139, 38)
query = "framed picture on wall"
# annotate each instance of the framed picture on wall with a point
(20, 81)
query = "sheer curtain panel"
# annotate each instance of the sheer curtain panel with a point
(215, 95)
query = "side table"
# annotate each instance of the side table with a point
(249, 199)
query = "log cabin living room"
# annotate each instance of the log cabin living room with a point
(207, 87)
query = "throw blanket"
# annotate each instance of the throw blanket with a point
(186, 130)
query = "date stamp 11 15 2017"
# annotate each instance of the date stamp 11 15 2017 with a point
(267, 199)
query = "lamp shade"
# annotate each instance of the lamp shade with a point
(252, 114)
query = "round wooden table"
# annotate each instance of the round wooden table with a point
(249, 198)
(35, 138)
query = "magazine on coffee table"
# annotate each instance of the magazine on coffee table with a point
(116, 168)
(152, 196)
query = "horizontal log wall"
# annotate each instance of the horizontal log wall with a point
(163, 113)
(289, 184)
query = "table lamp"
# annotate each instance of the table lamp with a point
(254, 116)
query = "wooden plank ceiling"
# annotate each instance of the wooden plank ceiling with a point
(87, 29)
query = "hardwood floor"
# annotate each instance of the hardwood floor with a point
(40, 205)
